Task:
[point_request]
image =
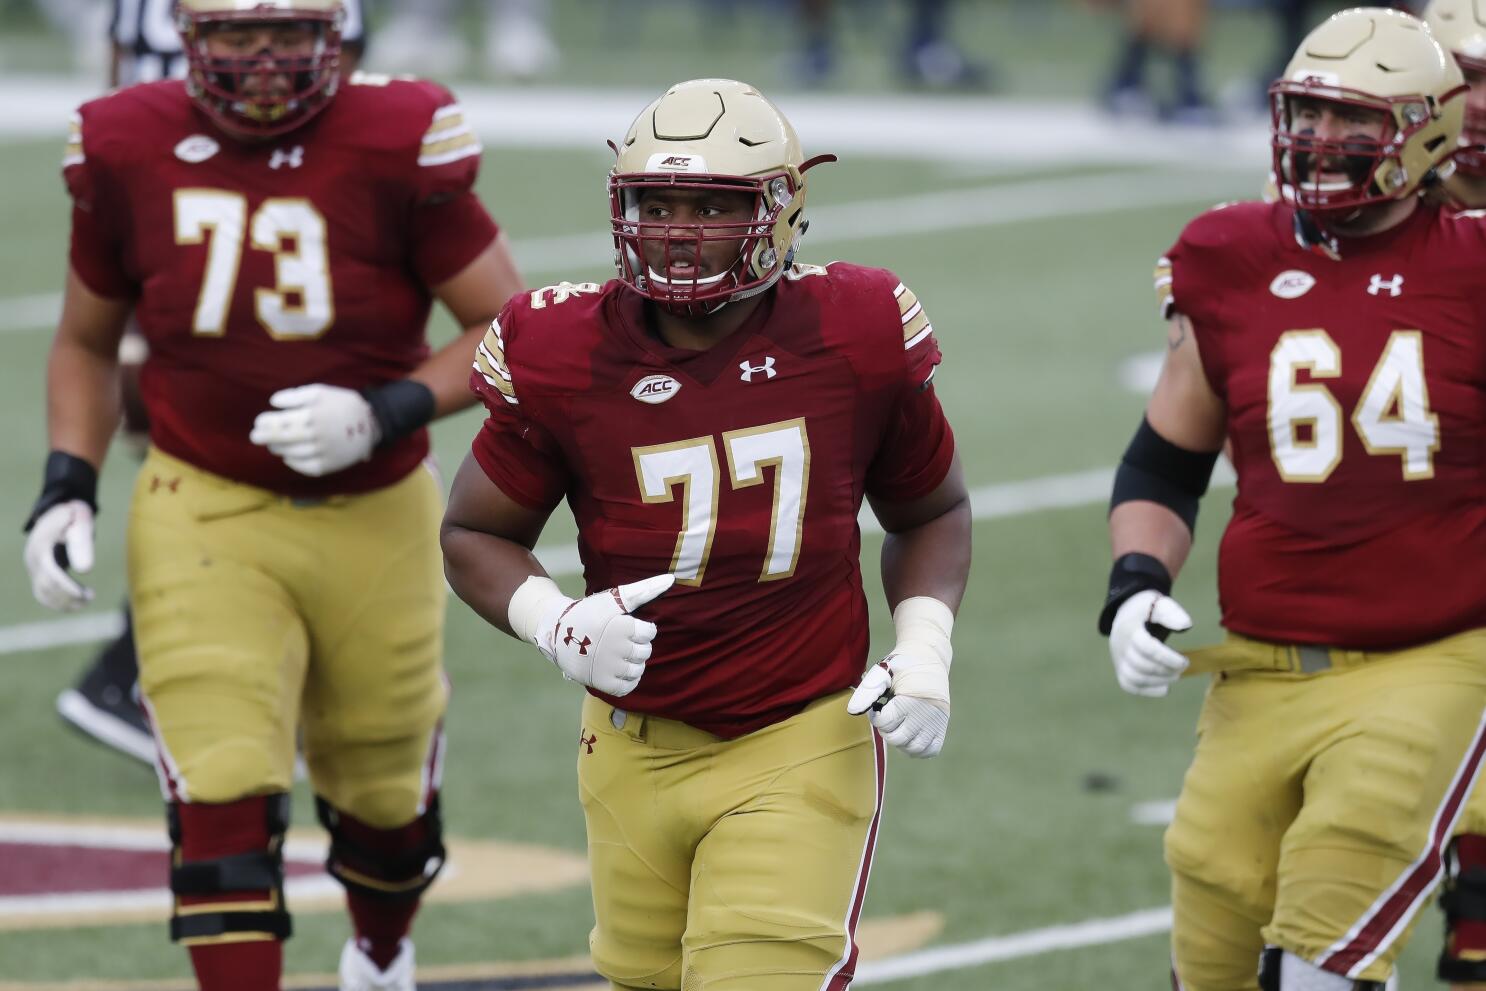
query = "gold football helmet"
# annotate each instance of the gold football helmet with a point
(717, 135)
(1460, 27)
(1378, 59)
(261, 94)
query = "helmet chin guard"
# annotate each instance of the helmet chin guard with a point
(246, 95)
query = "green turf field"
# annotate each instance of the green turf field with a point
(1023, 823)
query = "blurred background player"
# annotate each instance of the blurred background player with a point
(283, 529)
(146, 46)
(1358, 452)
(1172, 27)
(929, 56)
(1460, 26)
(426, 36)
(730, 789)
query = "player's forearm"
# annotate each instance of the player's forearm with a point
(931, 559)
(485, 571)
(83, 400)
(1141, 527)
(447, 372)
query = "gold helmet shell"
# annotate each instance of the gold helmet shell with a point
(715, 134)
(1460, 27)
(1380, 59)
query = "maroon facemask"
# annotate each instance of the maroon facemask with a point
(246, 94)
(756, 266)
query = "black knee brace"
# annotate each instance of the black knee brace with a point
(1269, 973)
(260, 870)
(405, 874)
(1463, 900)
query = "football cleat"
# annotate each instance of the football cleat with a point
(359, 973)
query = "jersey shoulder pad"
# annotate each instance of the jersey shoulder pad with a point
(543, 340)
(407, 114)
(876, 319)
(1214, 246)
(131, 122)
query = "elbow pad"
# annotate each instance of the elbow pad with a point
(1156, 470)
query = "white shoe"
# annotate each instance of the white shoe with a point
(358, 973)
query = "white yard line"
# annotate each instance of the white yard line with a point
(990, 502)
(1157, 813)
(923, 213)
(924, 127)
(958, 956)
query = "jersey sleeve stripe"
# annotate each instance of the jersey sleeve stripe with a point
(906, 302)
(493, 377)
(1165, 302)
(452, 150)
(909, 342)
(490, 362)
(73, 153)
(917, 309)
(443, 123)
(914, 329)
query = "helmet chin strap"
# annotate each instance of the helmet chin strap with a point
(1311, 236)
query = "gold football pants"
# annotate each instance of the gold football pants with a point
(255, 614)
(1324, 787)
(729, 865)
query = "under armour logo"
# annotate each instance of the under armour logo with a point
(587, 741)
(766, 369)
(1394, 286)
(157, 483)
(569, 640)
(293, 158)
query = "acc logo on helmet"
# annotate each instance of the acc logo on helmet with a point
(670, 162)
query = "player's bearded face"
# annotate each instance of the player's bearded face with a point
(1343, 141)
(261, 63)
(680, 239)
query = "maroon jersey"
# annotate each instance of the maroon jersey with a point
(1356, 400)
(740, 469)
(254, 267)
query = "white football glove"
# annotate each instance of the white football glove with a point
(593, 641)
(914, 678)
(68, 525)
(318, 429)
(1143, 664)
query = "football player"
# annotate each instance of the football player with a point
(714, 417)
(279, 233)
(146, 47)
(1333, 338)
(1460, 27)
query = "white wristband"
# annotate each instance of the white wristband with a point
(530, 604)
(925, 620)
